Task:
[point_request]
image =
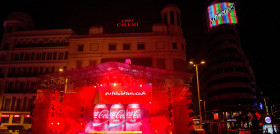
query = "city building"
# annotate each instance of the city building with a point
(229, 87)
(27, 53)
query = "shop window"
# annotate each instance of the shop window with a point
(16, 118)
(5, 118)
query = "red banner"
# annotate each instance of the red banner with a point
(125, 94)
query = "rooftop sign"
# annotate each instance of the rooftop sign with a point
(127, 23)
(222, 13)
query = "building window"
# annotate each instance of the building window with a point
(32, 56)
(161, 63)
(54, 55)
(60, 56)
(41, 70)
(79, 64)
(94, 47)
(126, 46)
(92, 62)
(112, 47)
(21, 56)
(178, 19)
(174, 45)
(160, 45)
(66, 55)
(43, 55)
(5, 118)
(80, 48)
(172, 17)
(27, 56)
(165, 18)
(7, 104)
(38, 56)
(141, 46)
(49, 56)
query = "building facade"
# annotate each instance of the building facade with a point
(229, 87)
(27, 53)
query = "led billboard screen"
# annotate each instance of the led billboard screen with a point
(222, 13)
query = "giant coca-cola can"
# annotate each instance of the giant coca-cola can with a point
(117, 117)
(133, 117)
(100, 117)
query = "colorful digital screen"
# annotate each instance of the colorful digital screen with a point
(222, 13)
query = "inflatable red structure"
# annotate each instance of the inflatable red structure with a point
(114, 97)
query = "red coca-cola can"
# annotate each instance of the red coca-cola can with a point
(100, 117)
(133, 117)
(117, 117)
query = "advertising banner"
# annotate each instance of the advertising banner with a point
(222, 13)
(125, 94)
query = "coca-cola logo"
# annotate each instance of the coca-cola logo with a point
(133, 116)
(117, 114)
(104, 114)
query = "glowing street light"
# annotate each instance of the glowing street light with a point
(198, 92)
(60, 70)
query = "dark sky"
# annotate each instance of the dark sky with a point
(258, 26)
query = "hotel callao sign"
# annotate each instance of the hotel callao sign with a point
(128, 23)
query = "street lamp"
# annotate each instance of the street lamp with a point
(198, 92)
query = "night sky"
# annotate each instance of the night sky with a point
(258, 27)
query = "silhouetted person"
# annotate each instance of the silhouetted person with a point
(255, 125)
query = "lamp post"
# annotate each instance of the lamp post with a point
(198, 92)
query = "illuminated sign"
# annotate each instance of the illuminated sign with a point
(27, 116)
(127, 23)
(261, 106)
(128, 61)
(125, 94)
(222, 13)
(267, 120)
(116, 132)
(231, 120)
(16, 115)
(216, 116)
(5, 115)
